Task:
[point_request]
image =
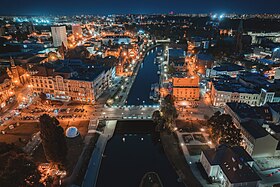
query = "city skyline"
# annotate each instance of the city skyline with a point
(151, 93)
(136, 7)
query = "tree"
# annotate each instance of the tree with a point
(17, 168)
(52, 56)
(223, 130)
(53, 140)
(158, 120)
(156, 116)
(168, 109)
(171, 69)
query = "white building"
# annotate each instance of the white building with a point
(59, 36)
(230, 166)
(224, 92)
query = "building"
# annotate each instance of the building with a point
(77, 31)
(7, 92)
(59, 36)
(229, 90)
(256, 140)
(231, 166)
(71, 80)
(231, 70)
(198, 42)
(253, 121)
(203, 62)
(275, 111)
(269, 92)
(179, 64)
(18, 74)
(185, 88)
(241, 112)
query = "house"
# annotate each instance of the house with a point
(256, 140)
(231, 166)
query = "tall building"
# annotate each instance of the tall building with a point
(59, 36)
(239, 37)
(77, 31)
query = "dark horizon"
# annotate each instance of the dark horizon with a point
(98, 7)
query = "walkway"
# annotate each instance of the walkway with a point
(91, 175)
(176, 158)
(192, 159)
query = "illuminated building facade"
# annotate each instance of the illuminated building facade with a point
(59, 36)
(186, 88)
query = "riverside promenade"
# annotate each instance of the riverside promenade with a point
(91, 175)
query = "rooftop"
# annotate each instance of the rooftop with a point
(233, 162)
(78, 69)
(232, 86)
(228, 67)
(205, 57)
(254, 129)
(245, 111)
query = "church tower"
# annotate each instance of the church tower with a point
(239, 37)
(14, 74)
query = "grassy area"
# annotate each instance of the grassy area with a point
(21, 134)
(196, 149)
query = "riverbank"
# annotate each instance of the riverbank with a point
(177, 159)
(147, 75)
(91, 175)
(133, 151)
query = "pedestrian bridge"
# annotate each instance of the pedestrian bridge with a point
(166, 41)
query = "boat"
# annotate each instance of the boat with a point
(154, 94)
(151, 179)
(158, 72)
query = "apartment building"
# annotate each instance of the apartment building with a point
(71, 80)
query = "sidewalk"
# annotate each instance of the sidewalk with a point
(91, 175)
(192, 159)
(175, 156)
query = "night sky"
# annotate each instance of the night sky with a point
(71, 7)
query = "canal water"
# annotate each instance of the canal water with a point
(147, 75)
(133, 151)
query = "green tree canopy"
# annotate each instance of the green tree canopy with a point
(16, 168)
(223, 129)
(53, 140)
(169, 112)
